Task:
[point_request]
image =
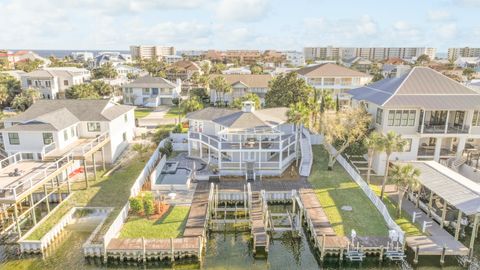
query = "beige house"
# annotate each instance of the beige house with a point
(241, 85)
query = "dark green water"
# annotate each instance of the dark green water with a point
(224, 251)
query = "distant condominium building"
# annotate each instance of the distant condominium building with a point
(455, 53)
(150, 51)
(370, 53)
(294, 58)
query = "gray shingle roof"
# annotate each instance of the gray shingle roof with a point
(422, 87)
(149, 81)
(237, 119)
(61, 113)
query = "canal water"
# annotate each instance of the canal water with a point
(225, 250)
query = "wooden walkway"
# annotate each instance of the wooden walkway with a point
(437, 238)
(196, 221)
(322, 232)
(260, 238)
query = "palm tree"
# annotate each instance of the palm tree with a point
(405, 178)
(3, 93)
(374, 144)
(298, 114)
(221, 85)
(190, 105)
(392, 142)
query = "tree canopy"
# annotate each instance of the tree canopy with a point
(286, 90)
(192, 104)
(237, 103)
(28, 65)
(82, 91)
(344, 128)
(25, 99)
(105, 71)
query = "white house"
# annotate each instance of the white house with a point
(52, 128)
(294, 58)
(242, 142)
(333, 78)
(241, 85)
(124, 70)
(468, 62)
(151, 91)
(53, 82)
(439, 117)
(239, 70)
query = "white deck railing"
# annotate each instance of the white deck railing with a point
(392, 225)
(307, 153)
(23, 184)
(48, 148)
(89, 146)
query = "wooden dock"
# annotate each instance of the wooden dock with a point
(437, 241)
(140, 249)
(197, 218)
(260, 237)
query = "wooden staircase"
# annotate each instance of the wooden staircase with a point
(260, 237)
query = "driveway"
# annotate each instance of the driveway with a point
(156, 118)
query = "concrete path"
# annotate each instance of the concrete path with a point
(157, 117)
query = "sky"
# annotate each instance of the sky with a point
(238, 24)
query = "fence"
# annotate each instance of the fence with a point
(38, 246)
(369, 192)
(117, 224)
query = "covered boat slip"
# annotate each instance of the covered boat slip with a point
(457, 196)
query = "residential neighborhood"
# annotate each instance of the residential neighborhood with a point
(239, 135)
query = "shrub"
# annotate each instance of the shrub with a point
(148, 205)
(136, 205)
(169, 147)
(177, 129)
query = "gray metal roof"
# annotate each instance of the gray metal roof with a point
(453, 187)
(237, 119)
(422, 87)
(61, 113)
(149, 81)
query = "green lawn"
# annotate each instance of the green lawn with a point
(173, 112)
(404, 221)
(142, 112)
(111, 191)
(335, 189)
(170, 225)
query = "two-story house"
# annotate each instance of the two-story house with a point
(182, 70)
(151, 91)
(242, 142)
(333, 78)
(242, 84)
(53, 128)
(438, 116)
(52, 83)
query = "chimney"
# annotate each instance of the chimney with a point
(248, 106)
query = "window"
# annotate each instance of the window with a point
(29, 82)
(47, 83)
(146, 91)
(379, 116)
(65, 82)
(93, 126)
(65, 135)
(476, 119)
(124, 136)
(408, 145)
(125, 117)
(13, 138)
(47, 138)
(72, 131)
(401, 118)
